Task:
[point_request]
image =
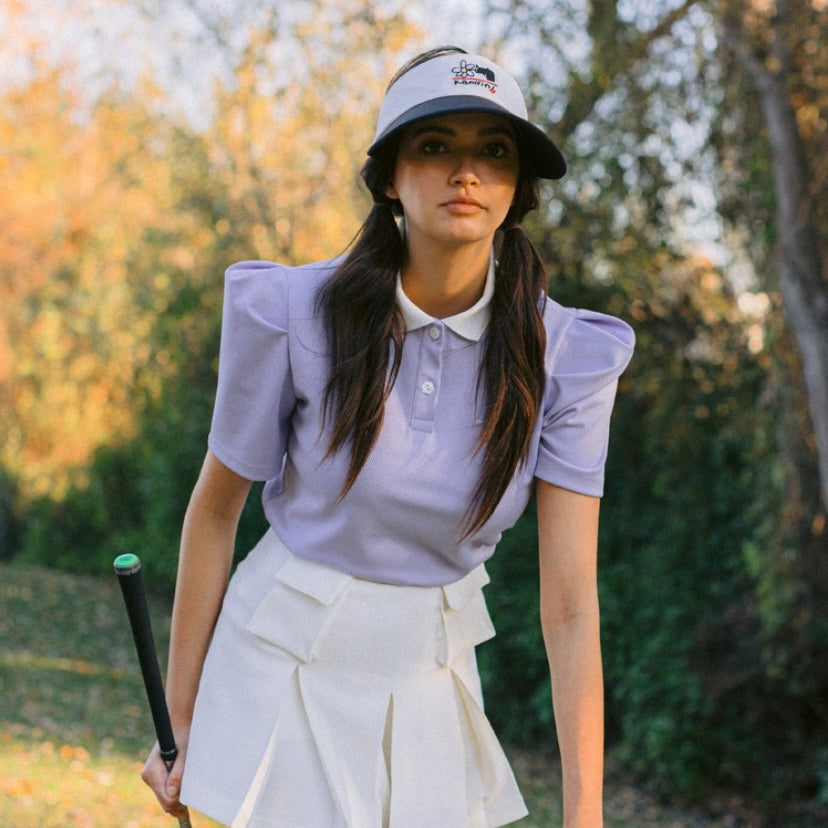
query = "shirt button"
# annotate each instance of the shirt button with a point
(434, 332)
(427, 387)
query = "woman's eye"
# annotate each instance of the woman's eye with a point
(432, 147)
(497, 150)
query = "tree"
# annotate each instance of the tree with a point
(73, 185)
(713, 612)
(773, 193)
(781, 48)
(121, 216)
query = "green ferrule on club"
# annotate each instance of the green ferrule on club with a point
(127, 564)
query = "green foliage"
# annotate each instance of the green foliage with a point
(513, 665)
(133, 496)
(681, 474)
(69, 534)
(10, 529)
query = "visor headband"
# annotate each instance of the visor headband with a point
(451, 76)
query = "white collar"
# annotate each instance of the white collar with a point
(470, 323)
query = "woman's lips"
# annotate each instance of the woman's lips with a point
(463, 205)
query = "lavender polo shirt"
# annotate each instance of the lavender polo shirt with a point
(401, 522)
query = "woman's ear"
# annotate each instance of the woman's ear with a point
(391, 192)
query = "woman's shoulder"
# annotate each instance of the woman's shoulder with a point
(587, 339)
(277, 288)
(264, 274)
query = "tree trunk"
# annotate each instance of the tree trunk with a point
(799, 258)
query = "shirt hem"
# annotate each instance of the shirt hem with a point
(240, 468)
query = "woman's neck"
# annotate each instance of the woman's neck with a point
(448, 281)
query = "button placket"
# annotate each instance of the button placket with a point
(428, 375)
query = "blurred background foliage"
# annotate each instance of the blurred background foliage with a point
(694, 208)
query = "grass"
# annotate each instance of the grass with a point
(74, 726)
(53, 785)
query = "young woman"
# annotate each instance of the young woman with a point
(401, 403)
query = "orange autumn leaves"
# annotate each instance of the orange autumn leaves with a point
(111, 206)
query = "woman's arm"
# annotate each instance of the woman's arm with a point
(207, 543)
(568, 540)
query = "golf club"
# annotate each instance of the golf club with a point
(128, 569)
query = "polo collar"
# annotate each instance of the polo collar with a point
(470, 323)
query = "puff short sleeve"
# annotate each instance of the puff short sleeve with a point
(255, 396)
(585, 357)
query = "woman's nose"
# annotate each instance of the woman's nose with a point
(465, 172)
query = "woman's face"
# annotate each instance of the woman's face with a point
(455, 177)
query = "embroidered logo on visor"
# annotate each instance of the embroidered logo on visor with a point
(473, 74)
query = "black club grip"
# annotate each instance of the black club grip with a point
(128, 570)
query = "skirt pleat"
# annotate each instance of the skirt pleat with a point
(328, 700)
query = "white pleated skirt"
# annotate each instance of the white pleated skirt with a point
(328, 701)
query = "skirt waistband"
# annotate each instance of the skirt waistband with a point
(275, 584)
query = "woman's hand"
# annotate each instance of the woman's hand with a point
(166, 784)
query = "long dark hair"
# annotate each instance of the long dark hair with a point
(366, 331)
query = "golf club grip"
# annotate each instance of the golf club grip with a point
(128, 570)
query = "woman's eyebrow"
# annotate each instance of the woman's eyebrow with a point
(485, 132)
(497, 130)
(432, 128)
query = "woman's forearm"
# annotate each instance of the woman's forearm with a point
(206, 555)
(203, 569)
(574, 652)
(568, 540)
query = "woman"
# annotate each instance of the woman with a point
(401, 404)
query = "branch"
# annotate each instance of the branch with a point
(584, 94)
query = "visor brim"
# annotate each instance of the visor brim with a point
(538, 151)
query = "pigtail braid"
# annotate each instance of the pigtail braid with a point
(512, 373)
(365, 335)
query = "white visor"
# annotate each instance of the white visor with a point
(456, 83)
